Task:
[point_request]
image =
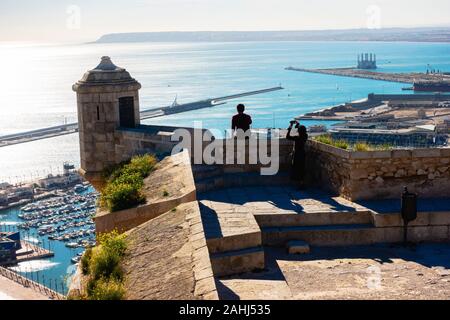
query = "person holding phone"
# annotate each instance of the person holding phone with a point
(298, 154)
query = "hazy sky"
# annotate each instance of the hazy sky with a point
(75, 20)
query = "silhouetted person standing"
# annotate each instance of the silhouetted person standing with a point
(241, 120)
(299, 154)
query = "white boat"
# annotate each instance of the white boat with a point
(75, 259)
(72, 245)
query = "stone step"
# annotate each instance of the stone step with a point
(294, 219)
(237, 261)
(327, 235)
(247, 179)
(234, 242)
(298, 247)
(202, 172)
(228, 230)
(208, 184)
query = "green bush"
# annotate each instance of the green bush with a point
(105, 264)
(385, 146)
(326, 138)
(120, 196)
(140, 165)
(361, 146)
(111, 289)
(113, 242)
(85, 260)
(102, 266)
(125, 183)
(341, 144)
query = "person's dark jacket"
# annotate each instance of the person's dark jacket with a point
(241, 121)
(299, 155)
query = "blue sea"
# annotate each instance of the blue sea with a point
(36, 81)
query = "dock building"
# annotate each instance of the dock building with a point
(420, 136)
(9, 245)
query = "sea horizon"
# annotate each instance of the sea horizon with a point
(190, 71)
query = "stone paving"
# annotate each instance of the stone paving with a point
(276, 200)
(367, 272)
(230, 212)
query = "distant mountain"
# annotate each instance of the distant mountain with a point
(441, 34)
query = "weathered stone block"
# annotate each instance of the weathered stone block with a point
(426, 153)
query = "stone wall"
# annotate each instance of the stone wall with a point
(157, 139)
(380, 174)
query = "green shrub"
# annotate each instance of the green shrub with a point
(111, 289)
(385, 147)
(105, 264)
(120, 196)
(326, 138)
(143, 165)
(361, 146)
(114, 242)
(140, 165)
(341, 144)
(105, 275)
(125, 182)
(85, 260)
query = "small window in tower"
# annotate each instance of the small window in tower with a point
(98, 113)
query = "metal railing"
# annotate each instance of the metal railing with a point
(27, 283)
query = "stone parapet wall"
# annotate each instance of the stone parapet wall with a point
(380, 174)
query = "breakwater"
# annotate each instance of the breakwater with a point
(70, 128)
(409, 78)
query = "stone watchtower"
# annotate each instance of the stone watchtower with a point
(107, 99)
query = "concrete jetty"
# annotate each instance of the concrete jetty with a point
(70, 128)
(208, 103)
(38, 134)
(409, 78)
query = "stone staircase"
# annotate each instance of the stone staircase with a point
(345, 225)
(233, 238)
(240, 222)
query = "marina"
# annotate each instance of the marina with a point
(54, 233)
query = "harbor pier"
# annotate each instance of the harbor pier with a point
(70, 128)
(409, 78)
